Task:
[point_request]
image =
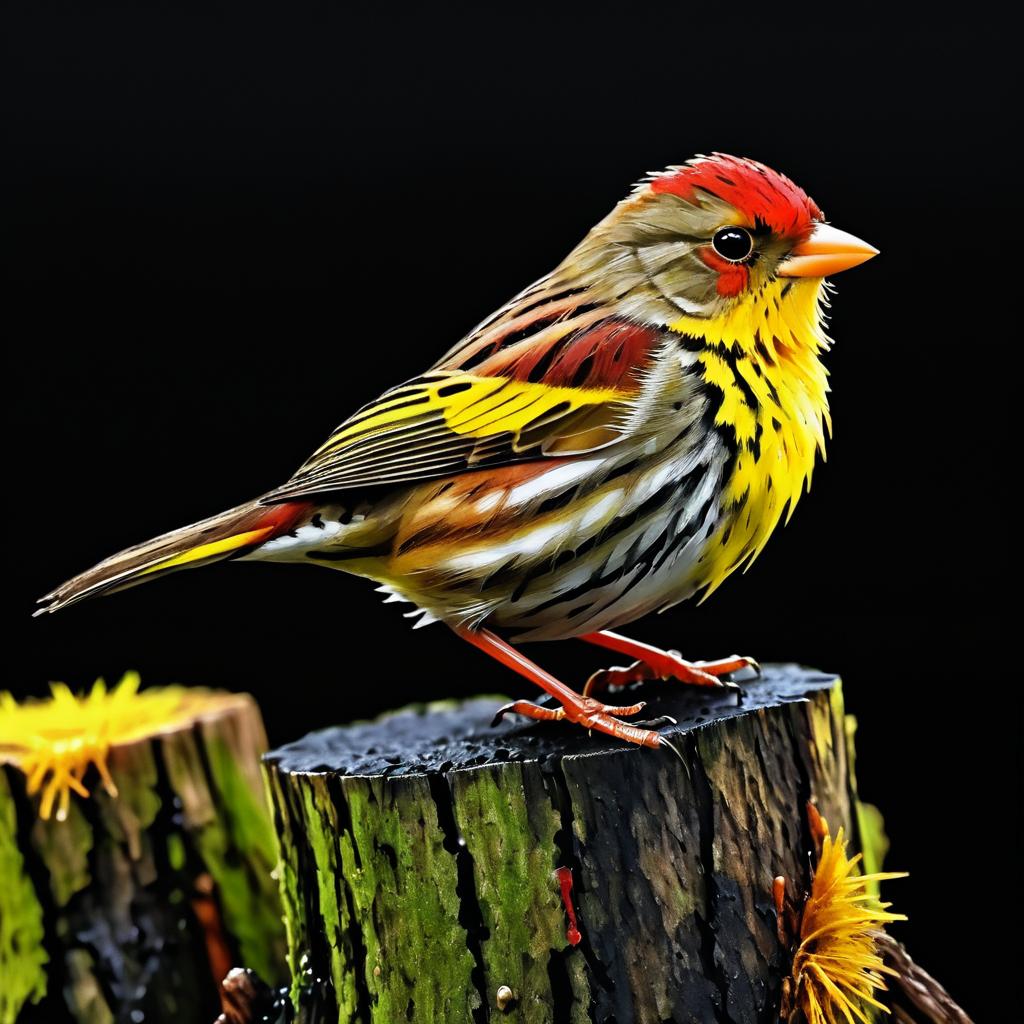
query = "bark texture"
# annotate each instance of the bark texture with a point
(419, 859)
(134, 908)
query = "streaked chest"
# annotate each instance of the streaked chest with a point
(773, 425)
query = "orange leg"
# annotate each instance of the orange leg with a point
(654, 663)
(583, 710)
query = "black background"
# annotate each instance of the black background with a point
(225, 229)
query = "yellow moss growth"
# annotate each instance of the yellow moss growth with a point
(55, 740)
(837, 967)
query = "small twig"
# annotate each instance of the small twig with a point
(917, 998)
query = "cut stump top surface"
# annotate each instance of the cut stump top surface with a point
(446, 736)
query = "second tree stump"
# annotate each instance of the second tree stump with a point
(426, 859)
(130, 904)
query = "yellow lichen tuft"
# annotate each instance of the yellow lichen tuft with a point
(55, 740)
(837, 967)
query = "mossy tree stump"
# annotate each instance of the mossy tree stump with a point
(419, 859)
(135, 905)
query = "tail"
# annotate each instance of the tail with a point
(232, 533)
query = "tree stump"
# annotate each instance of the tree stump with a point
(135, 905)
(424, 858)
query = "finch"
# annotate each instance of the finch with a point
(621, 436)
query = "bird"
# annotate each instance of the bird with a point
(621, 436)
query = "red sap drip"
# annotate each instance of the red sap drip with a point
(572, 933)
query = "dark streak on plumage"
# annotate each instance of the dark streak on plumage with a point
(350, 554)
(616, 529)
(762, 350)
(536, 374)
(579, 378)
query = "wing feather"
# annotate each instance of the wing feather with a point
(455, 419)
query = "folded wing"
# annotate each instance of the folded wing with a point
(565, 388)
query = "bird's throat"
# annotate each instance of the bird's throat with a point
(768, 390)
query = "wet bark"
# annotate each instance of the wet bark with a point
(419, 859)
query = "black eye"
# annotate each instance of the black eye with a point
(733, 244)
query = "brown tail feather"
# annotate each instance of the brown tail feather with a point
(223, 536)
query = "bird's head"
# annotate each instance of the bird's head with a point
(720, 236)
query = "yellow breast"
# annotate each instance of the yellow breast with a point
(761, 363)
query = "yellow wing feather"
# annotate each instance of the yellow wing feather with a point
(448, 422)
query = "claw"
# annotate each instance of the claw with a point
(746, 665)
(671, 746)
(654, 723)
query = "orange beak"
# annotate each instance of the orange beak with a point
(826, 252)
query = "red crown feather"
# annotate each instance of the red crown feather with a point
(758, 192)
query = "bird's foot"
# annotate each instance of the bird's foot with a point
(591, 714)
(581, 709)
(671, 665)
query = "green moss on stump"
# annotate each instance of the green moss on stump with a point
(22, 956)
